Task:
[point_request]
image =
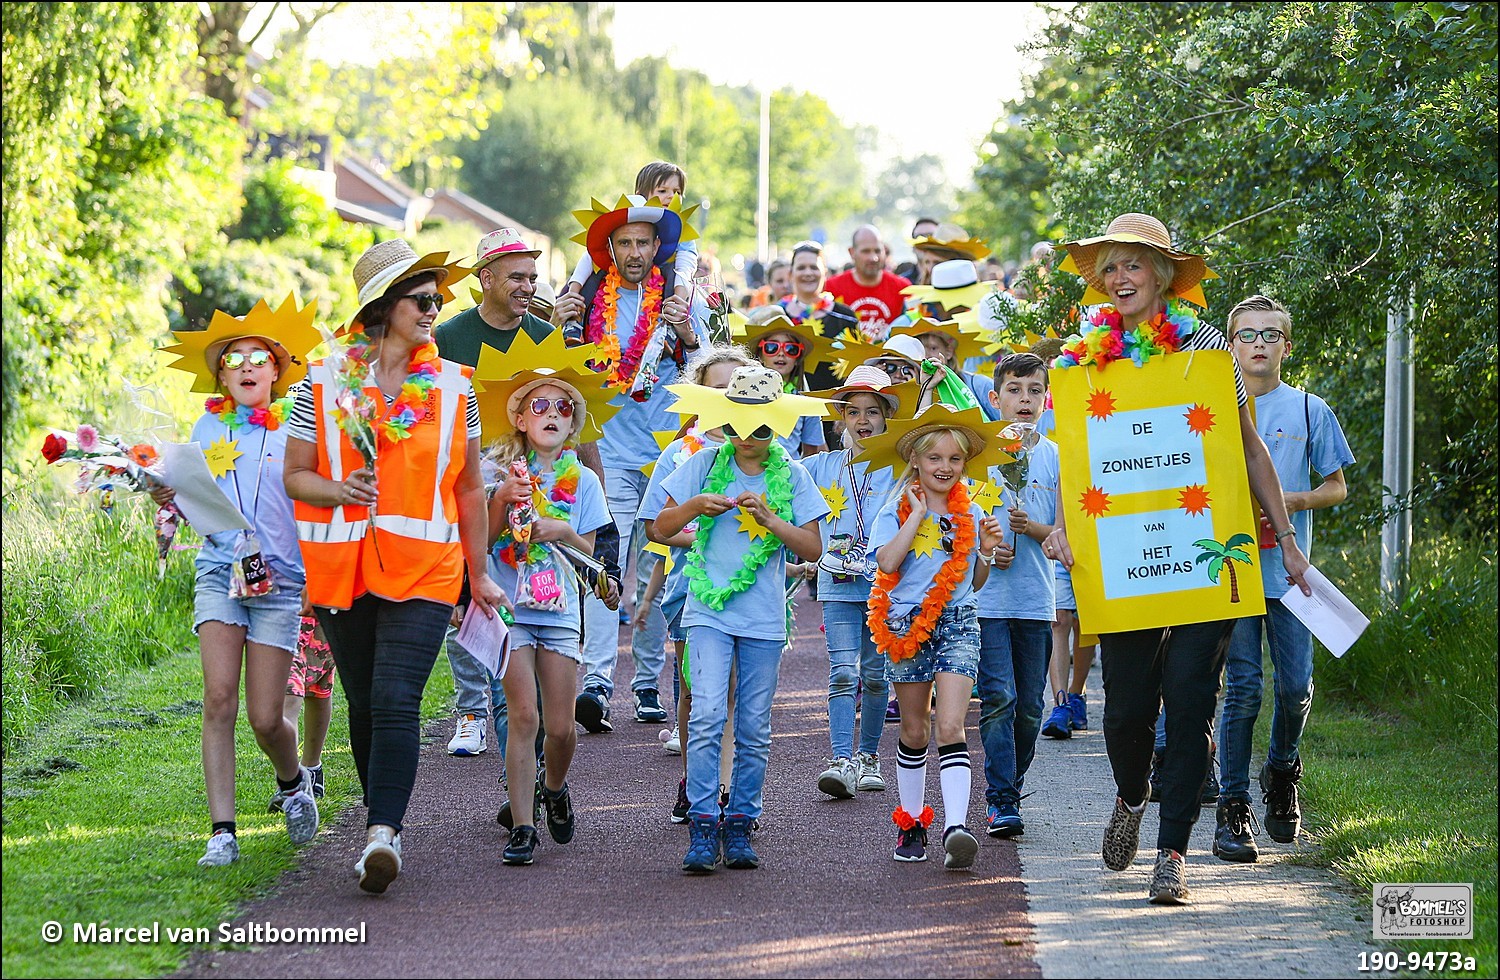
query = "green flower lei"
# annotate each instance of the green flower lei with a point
(778, 497)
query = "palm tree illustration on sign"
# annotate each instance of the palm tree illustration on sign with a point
(1221, 556)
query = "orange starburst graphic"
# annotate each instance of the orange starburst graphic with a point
(1101, 404)
(1199, 419)
(1194, 499)
(1095, 502)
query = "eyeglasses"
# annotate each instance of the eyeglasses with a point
(426, 302)
(761, 434)
(791, 348)
(235, 359)
(564, 407)
(1247, 336)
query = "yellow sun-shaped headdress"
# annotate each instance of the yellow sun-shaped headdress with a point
(755, 397)
(600, 220)
(289, 331)
(529, 363)
(890, 449)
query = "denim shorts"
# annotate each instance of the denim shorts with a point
(1063, 580)
(953, 648)
(558, 639)
(271, 620)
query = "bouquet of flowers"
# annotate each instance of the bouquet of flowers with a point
(354, 409)
(720, 310)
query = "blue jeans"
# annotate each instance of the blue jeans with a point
(756, 663)
(1291, 673)
(623, 490)
(852, 658)
(476, 691)
(384, 651)
(1013, 656)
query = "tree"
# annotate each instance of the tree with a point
(1222, 557)
(910, 187)
(223, 50)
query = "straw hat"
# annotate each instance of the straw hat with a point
(600, 221)
(387, 263)
(288, 332)
(948, 237)
(967, 344)
(755, 397)
(502, 380)
(1135, 228)
(868, 380)
(893, 447)
(543, 300)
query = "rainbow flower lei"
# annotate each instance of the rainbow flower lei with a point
(778, 497)
(236, 417)
(692, 443)
(558, 503)
(822, 305)
(411, 404)
(602, 333)
(1107, 340)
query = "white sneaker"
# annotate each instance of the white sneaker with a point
(222, 849)
(380, 863)
(469, 738)
(868, 766)
(672, 740)
(839, 779)
(300, 808)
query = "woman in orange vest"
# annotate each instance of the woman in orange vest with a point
(386, 545)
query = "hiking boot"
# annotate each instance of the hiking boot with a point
(738, 852)
(559, 807)
(521, 848)
(300, 809)
(222, 849)
(317, 781)
(1059, 723)
(839, 779)
(703, 845)
(1156, 761)
(1233, 839)
(892, 712)
(1283, 813)
(911, 844)
(868, 766)
(1167, 887)
(959, 848)
(1004, 820)
(380, 863)
(469, 736)
(680, 808)
(1211, 781)
(1123, 836)
(1078, 707)
(591, 709)
(648, 709)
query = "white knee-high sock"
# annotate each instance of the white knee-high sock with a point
(911, 777)
(955, 776)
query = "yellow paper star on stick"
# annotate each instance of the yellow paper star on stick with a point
(221, 454)
(929, 538)
(986, 496)
(836, 500)
(751, 526)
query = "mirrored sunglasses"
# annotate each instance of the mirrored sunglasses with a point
(564, 407)
(762, 434)
(426, 302)
(792, 348)
(236, 359)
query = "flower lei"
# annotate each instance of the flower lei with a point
(816, 311)
(557, 503)
(602, 333)
(411, 404)
(236, 417)
(1107, 339)
(778, 497)
(692, 442)
(900, 648)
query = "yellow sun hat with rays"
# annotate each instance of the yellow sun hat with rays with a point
(967, 345)
(820, 349)
(599, 221)
(500, 379)
(755, 397)
(954, 283)
(951, 241)
(288, 330)
(891, 449)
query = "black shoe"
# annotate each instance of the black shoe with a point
(559, 807)
(1283, 814)
(522, 846)
(648, 709)
(1211, 783)
(317, 781)
(1156, 761)
(504, 817)
(591, 709)
(723, 800)
(1233, 839)
(680, 808)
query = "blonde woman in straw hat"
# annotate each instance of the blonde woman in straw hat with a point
(386, 545)
(1146, 281)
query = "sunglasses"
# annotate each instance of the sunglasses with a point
(564, 407)
(235, 359)
(1247, 336)
(946, 541)
(762, 434)
(898, 370)
(426, 302)
(791, 348)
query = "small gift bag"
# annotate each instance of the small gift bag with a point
(540, 584)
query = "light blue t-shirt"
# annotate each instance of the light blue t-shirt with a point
(629, 442)
(759, 612)
(809, 430)
(674, 589)
(255, 487)
(1025, 590)
(1302, 434)
(982, 385)
(859, 499)
(919, 571)
(589, 514)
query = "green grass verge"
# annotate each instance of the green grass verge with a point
(105, 818)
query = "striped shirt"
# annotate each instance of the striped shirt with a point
(303, 422)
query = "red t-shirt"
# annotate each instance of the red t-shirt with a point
(874, 305)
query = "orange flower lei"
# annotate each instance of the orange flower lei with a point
(601, 329)
(900, 648)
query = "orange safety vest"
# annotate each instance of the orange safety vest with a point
(412, 551)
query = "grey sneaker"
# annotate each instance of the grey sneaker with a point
(868, 765)
(1167, 887)
(222, 849)
(300, 809)
(1123, 836)
(839, 779)
(959, 848)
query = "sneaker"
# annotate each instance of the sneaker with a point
(1283, 813)
(1167, 887)
(520, 850)
(317, 781)
(680, 808)
(1233, 839)
(468, 738)
(839, 779)
(591, 709)
(868, 766)
(1059, 723)
(1122, 837)
(959, 848)
(1211, 781)
(1078, 706)
(222, 849)
(559, 808)
(672, 740)
(506, 820)
(1156, 760)
(648, 709)
(911, 844)
(1004, 820)
(893, 712)
(703, 845)
(380, 863)
(738, 851)
(300, 809)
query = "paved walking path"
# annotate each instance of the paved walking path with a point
(827, 901)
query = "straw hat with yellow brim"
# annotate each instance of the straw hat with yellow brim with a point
(955, 283)
(889, 449)
(819, 348)
(864, 380)
(387, 263)
(754, 398)
(288, 332)
(949, 237)
(600, 221)
(967, 345)
(1137, 229)
(529, 364)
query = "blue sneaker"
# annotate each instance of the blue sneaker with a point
(1078, 706)
(1059, 723)
(738, 851)
(1005, 820)
(703, 845)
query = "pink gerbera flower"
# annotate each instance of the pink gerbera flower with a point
(88, 438)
